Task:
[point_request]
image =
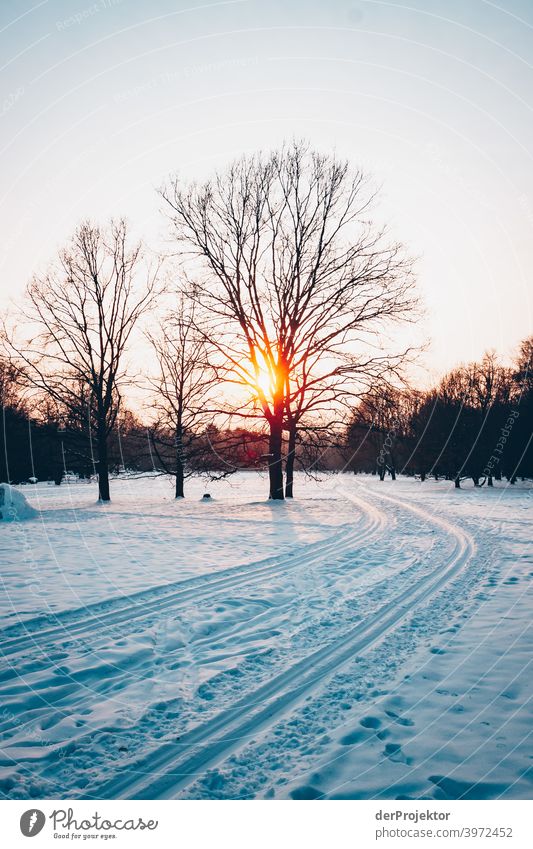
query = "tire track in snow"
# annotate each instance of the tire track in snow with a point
(161, 774)
(88, 621)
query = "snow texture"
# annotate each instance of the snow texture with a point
(367, 640)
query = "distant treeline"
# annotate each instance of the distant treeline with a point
(475, 423)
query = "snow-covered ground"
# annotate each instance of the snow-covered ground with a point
(368, 640)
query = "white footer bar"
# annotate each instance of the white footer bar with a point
(269, 824)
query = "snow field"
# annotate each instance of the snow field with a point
(344, 645)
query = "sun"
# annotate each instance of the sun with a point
(264, 382)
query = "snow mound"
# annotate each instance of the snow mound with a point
(13, 505)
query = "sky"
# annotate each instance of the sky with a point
(101, 101)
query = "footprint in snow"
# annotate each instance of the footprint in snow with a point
(383, 734)
(401, 720)
(370, 722)
(305, 793)
(394, 752)
(353, 738)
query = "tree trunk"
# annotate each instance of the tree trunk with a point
(275, 468)
(103, 465)
(58, 467)
(289, 463)
(422, 476)
(180, 479)
(457, 482)
(489, 481)
(180, 471)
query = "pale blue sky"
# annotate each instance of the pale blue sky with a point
(99, 101)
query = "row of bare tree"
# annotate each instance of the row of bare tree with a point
(282, 287)
(477, 422)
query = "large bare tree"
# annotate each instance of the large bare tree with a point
(297, 279)
(80, 317)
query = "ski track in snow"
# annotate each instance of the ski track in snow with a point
(32, 691)
(235, 727)
(98, 624)
(207, 687)
(83, 622)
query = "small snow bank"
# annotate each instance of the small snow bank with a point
(13, 505)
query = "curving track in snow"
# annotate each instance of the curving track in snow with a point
(84, 623)
(29, 690)
(165, 772)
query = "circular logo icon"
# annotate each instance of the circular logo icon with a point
(32, 822)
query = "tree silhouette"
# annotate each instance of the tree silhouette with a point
(296, 279)
(81, 315)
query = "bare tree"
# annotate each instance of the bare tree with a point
(183, 390)
(81, 316)
(380, 421)
(297, 280)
